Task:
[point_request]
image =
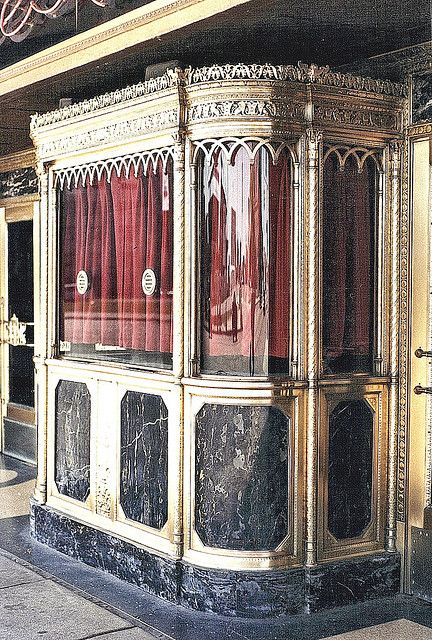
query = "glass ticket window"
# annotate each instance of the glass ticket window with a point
(245, 208)
(349, 264)
(116, 263)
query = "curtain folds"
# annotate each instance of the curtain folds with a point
(114, 230)
(246, 256)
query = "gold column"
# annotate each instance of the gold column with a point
(176, 451)
(312, 240)
(41, 337)
(395, 168)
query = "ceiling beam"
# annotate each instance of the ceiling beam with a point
(146, 23)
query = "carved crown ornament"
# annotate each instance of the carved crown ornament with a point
(302, 73)
(181, 98)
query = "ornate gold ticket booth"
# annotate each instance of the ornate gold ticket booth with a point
(217, 354)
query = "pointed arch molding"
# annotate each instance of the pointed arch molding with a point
(147, 160)
(252, 145)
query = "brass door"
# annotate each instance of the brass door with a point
(17, 332)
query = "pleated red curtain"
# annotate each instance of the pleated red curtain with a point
(114, 230)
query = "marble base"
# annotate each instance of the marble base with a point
(249, 594)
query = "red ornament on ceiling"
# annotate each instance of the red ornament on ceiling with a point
(18, 17)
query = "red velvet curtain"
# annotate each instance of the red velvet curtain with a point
(114, 231)
(280, 257)
(348, 258)
(246, 258)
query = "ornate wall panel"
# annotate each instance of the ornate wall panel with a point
(421, 98)
(144, 459)
(20, 182)
(72, 439)
(350, 469)
(241, 477)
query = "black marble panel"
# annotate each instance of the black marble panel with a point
(422, 98)
(19, 182)
(144, 459)
(72, 439)
(138, 566)
(254, 594)
(343, 582)
(350, 461)
(241, 476)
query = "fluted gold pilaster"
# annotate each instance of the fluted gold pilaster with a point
(312, 237)
(41, 338)
(395, 185)
(176, 439)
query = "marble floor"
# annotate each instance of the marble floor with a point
(395, 630)
(123, 611)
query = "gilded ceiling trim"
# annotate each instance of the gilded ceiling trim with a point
(160, 16)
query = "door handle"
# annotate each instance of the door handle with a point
(418, 390)
(419, 353)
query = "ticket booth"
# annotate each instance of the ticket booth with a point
(217, 353)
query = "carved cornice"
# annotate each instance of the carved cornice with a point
(309, 74)
(109, 134)
(111, 99)
(301, 73)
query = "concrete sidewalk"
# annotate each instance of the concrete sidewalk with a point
(45, 594)
(33, 605)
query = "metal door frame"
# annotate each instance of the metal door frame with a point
(19, 209)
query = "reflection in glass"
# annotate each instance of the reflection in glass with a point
(348, 265)
(245, 262)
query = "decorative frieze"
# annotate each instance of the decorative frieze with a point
(301, 73)
(372, 119)
(109, 134)
(189, 103)
(245, 108)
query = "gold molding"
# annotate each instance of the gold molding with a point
(403, 324)
(372, 538)
(19, 160)
(418, 130)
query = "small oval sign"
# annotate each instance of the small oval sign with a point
(148, 282)
(82, 282)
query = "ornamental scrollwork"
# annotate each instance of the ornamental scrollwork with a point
(303, 73)
(166, 81)
(403, 327)
(110, 133)
(255, 108)
(15, 332)
(306, 74)
(354, 117)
